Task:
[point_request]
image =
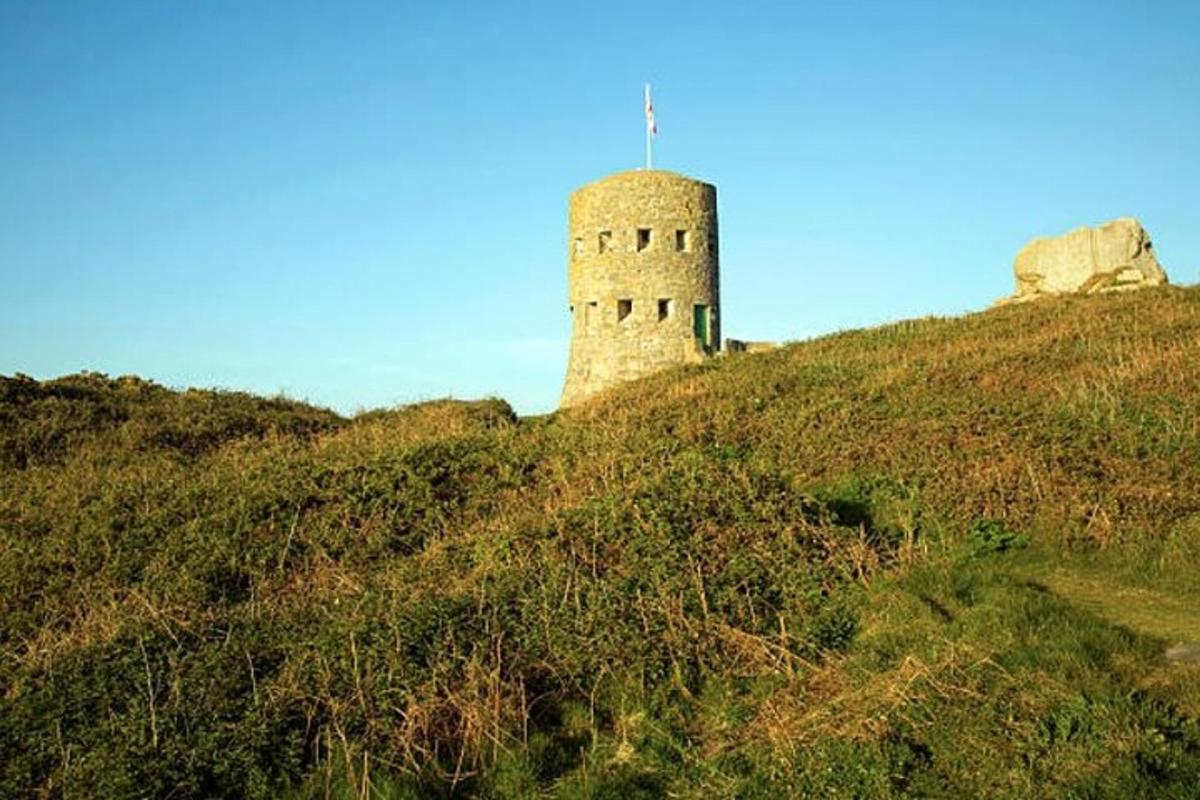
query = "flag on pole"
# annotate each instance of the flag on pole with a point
(651, 128)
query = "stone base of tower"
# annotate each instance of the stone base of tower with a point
(595, 365)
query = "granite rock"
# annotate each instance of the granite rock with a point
(1115, 256)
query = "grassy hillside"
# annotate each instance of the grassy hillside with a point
(941, 558)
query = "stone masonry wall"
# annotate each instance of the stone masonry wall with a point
(618, 281)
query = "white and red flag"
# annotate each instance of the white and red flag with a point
(651, 128)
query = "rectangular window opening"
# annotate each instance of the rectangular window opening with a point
(605, 241)
(589, 313)
(664, 308)
(578, 245)
(643, 239)
(624, 309)
(681, 241)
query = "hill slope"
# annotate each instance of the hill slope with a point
(853, 567)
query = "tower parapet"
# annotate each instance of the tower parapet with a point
(643, 279)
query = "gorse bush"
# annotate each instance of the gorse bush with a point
(792, 573)
(43, 423)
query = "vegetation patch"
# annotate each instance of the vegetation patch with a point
(942, 558)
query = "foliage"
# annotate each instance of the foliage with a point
(815, 572)
(990, 536)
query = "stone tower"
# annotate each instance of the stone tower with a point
(642, 278)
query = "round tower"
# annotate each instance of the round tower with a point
(642, 278)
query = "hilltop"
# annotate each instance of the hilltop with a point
(937, 558)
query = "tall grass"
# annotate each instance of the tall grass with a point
(809, 572)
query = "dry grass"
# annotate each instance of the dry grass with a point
(752, 577)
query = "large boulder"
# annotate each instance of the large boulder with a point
(1113, 257)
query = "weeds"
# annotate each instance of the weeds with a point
(870, 565)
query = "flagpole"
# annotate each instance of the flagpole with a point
(649, 152)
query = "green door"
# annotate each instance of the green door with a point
(700, 323)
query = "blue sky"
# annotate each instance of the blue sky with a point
(360, 204)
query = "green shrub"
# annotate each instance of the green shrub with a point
(990, 536)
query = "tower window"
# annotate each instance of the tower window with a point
(578, 245)
(605, 241)
(643, 239)
(589, 314)
(681, 241)
(664, 308)
(624, 309)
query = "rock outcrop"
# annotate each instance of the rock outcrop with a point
(1112, 257)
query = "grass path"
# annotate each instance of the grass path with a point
(1168, 615)
(1149, 611)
